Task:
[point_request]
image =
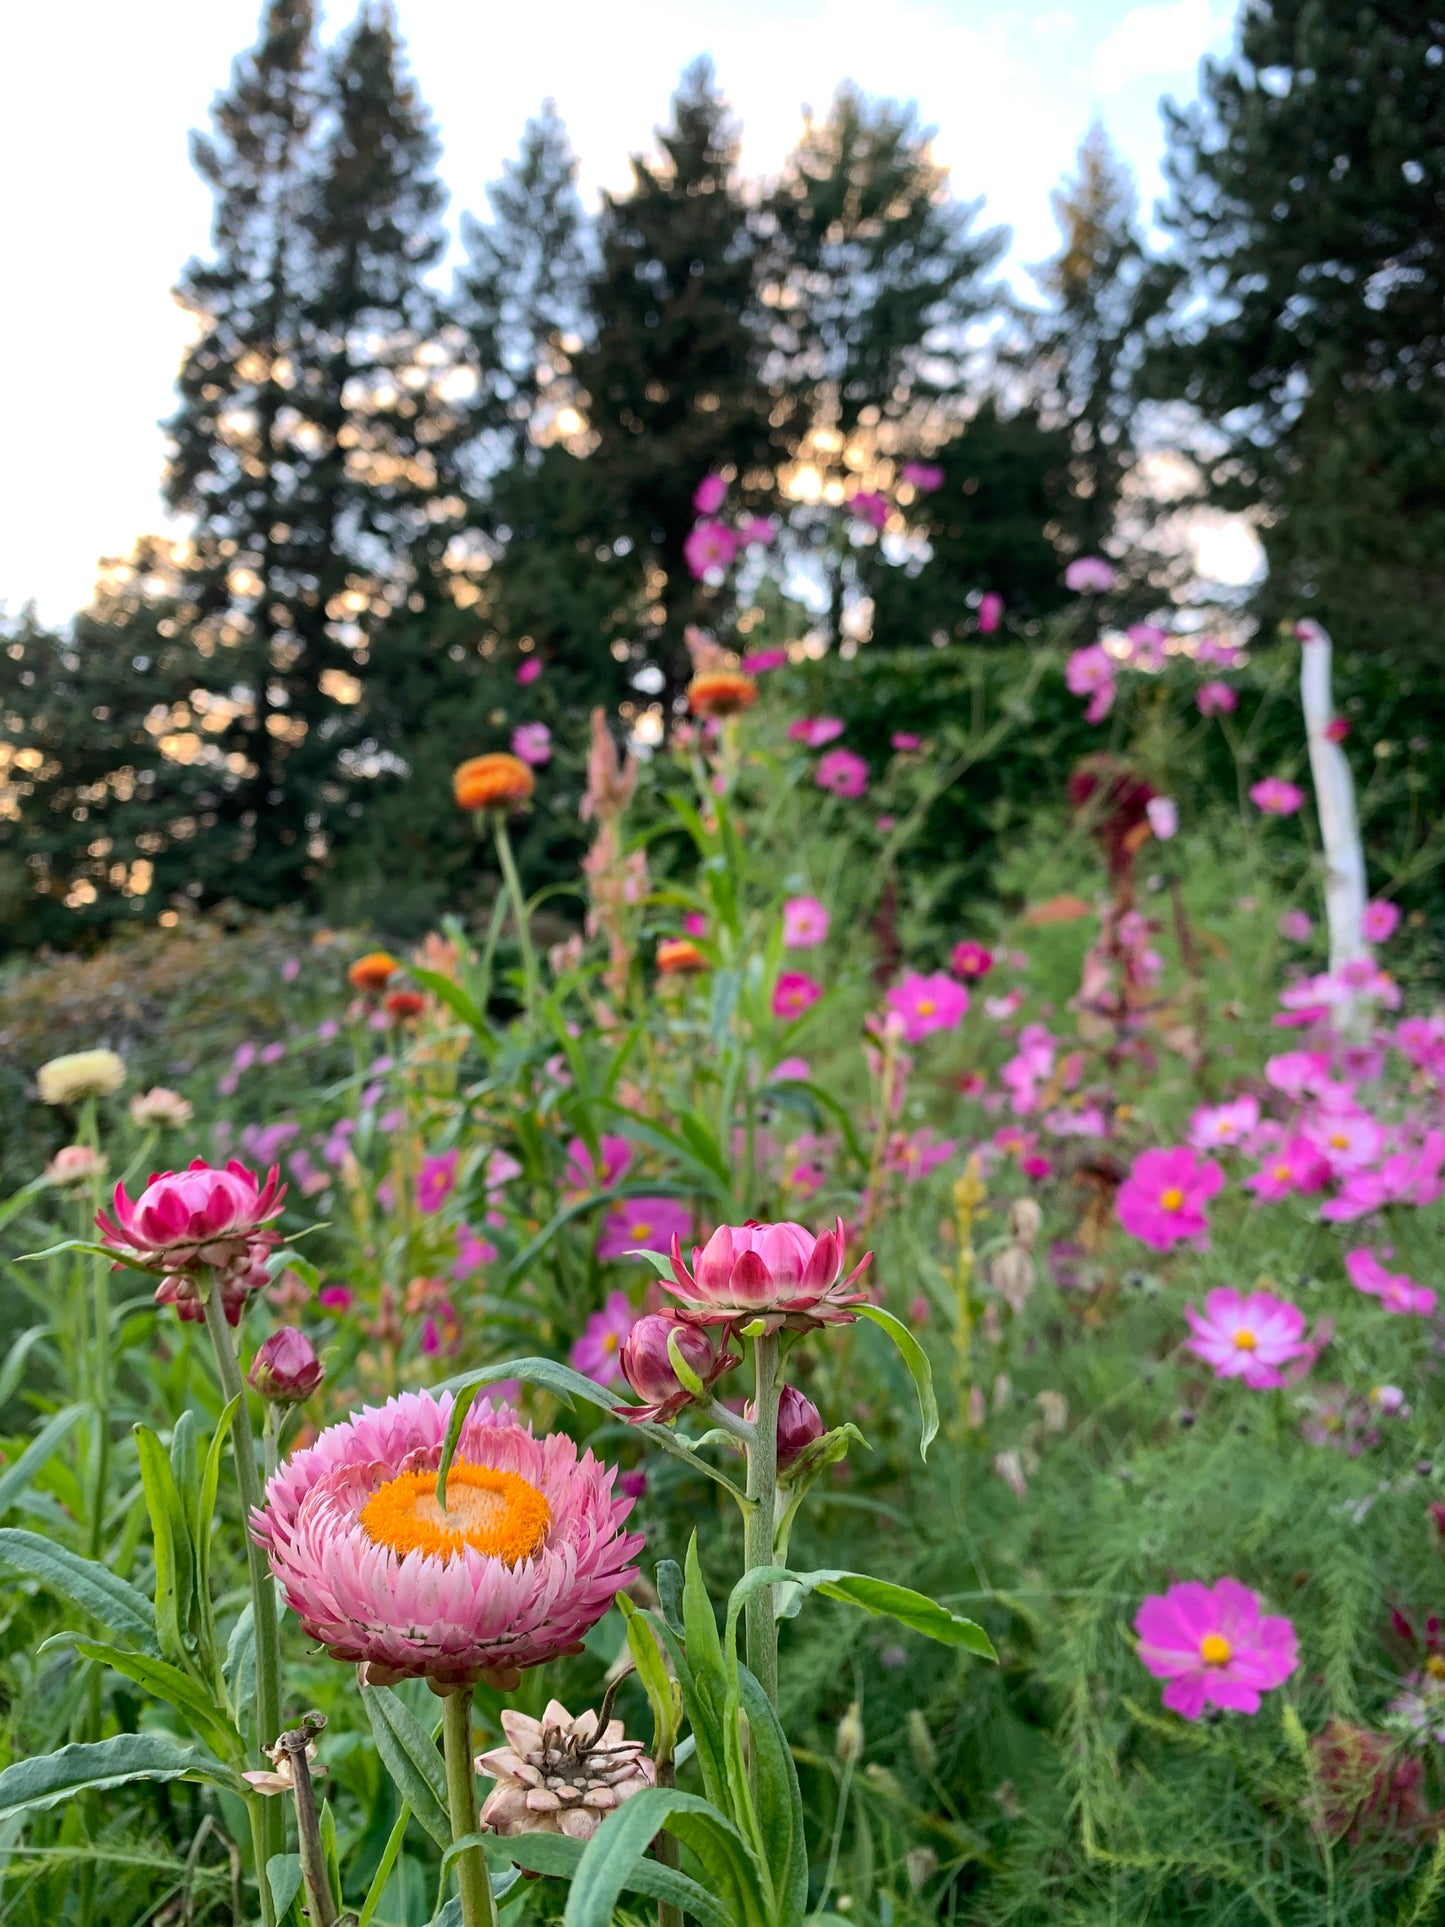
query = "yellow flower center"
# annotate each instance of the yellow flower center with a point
(926, 1006)
(1215, 1650)
(1339, 1141)
(610, 1342)
(1245, 1340)
(1172, 1198)
(495, 1513)
(1282, 1173)
(1435, 1666)
(640, 1231)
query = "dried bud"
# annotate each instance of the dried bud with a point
(560, 1775)
(1024, 1220)
(920, 1743)
(286, 1369)
(848, 1743)
(159, 1108)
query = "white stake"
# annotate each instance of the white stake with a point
(1335, 802)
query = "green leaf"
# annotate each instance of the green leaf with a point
(454, 997)
(560, 1380)
(610, 1860)
(168, 1683)
(283, 1872)
(203, 1520)
(916, 1359)
(409, 1754)
(84, 1583)
(555, 1854)
(668, 1574)
(914, 1610)
(171, 1547)
(384, 1868)
(778, 1799)
(42, 1448)
(662, 1692)
(14, 1366)
(659, 1261)
(50, 1778)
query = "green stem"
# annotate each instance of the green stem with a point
(100, 1367)
(263, 1595)
(762, 1627)
(519, 905)
(474, 1885)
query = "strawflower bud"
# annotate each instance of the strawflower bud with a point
(286, 1369)
(799, 1424)
(647, 1364)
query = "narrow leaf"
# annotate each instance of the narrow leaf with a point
(42, 1448)
(409, 1754)
(84, 1583)
(52, 1777)
(916, 1359)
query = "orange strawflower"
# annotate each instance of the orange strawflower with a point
(373, 971)
(721, 692)
(494, 782)
(402, 1004)
(678, 956)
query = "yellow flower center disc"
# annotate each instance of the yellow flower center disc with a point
(1245, 1340)
(495, 1513)
(1171, 1199)
(1215, 1650)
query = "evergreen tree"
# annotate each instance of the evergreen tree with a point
(1305, 315)
(670, 378)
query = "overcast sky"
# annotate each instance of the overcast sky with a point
(100, 207)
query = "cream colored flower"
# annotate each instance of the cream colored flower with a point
(166, 1110)
(560, 1775)
(84, 1073)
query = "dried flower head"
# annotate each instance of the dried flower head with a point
(560, 1775)
(82, 1074)
(160, 1109)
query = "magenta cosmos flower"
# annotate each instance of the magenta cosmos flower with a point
(709, 545)
(1216, 699)
(1090, 672)
(1214, 1646)
(201, 1219)
(709, 495)
(1247, 1337)
(780, 1274)
(1275, 796)
(1396, 1290)
(1089, 575)
(927, 1004)
(526, 1558)
(971, 960)
(815, 731)
(795, 993)
(805, 923)
(1294, 1165)
(990, 613)
(643, 1224)
(926, 477)
(1162, 1200)
(597, 1353)
(1380, 920)
(529, 670)
(841, 772)
(870, 506)
(583, 1175)
(532, 742)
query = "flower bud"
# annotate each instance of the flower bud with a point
(647, 1365)
(848, 1741)
(920, 1743)
(799, 1423)
(75, 1164)
(286, 1369)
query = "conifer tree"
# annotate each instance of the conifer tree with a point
(1306, 306)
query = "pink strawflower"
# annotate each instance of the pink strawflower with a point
(1396, 1290)
(597, 1354)
(583, 1174)
(1089, 575)
(186, 1223)
(709, 495)
(795, 993)
(869, 506)
(1293, 1166)
(642, 1224)
(842, 772)
(805, 923)
(904, 740)
(1380, 920)
(709, 546)
(1216, 699)
(1249, 1337)
(285, 1369)
(927, 1004)
(337, 1298)
(781, 1274)
(990, 613)
(971, 960)
(815, 731)
(527, 1558)
(926, 477)
(436, 1180)
(1162, 1200)
(1214, 1646)
(528, 670)
(532, 742)
(1216, 1125)
(1090, 672)
(1275, 796)
(1297, 925)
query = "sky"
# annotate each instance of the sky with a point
(101, 207)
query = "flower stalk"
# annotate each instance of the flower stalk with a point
(508, 862)
(320, 1900)
(762, 1452)
(474, 1884)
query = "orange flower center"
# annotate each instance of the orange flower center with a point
(1435, 1666)
(1245, 1340)
(1282, 1173)
(1215, 1650)
(640, 1230)
(1339, 1141)
(1171, 1199)
(495, 1513)
(610, 1342)
(926, 1006)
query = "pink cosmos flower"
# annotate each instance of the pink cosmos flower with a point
(841, 772)
(709, 495)
(473, 1253)
(1294, 1166)
(709, 546)
(528, 670)
(790, 1070)
(904, 741)
(1090, 672)
(1163, 815)
(1216, 699)
(695, 924)
(1380, 920)
(1214, 1646)
(1249, 1337)
(762, 660)
(436, 1180)
(642, 1224)
(782, 1274)
(1089, 575)
(1146, 646)
(815, 731)
(532, 742)
(927, 1004)
(990, 613)
(1297, 1073)
(527, 1558)
(869, 506)
(1217, 651)
(1275, 796)
(1396, 1290)
(1297, 925)
(971, 960)
(756, 533)
(202, 1219)
(584, 1175)
(918, 1154)
(805, 923)
(794, 993)
(1346, 1138)
(1214, 1125)
(1025, 1073)
(926, 477)
(597, 1353)
(1162, 1200)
